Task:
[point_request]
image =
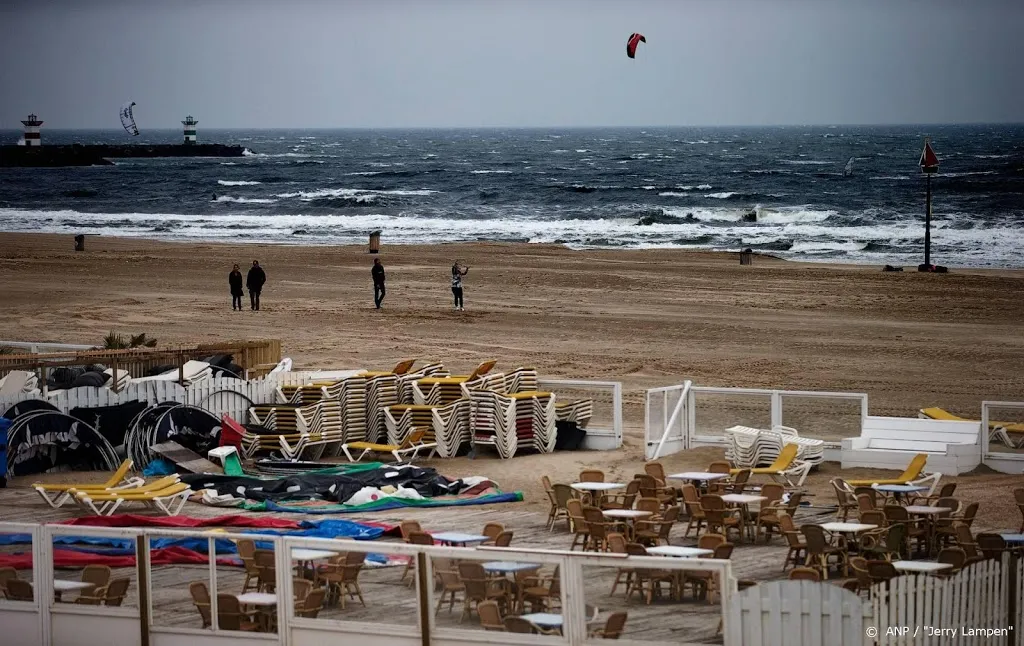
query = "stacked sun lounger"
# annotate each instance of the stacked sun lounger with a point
(381, 392)
(579, 412)
(298, 432)
(403, 383)
(514, 422)
(437, 391)
(447, 426)
(753, 447)
(350, 395)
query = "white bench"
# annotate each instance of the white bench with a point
(953, 447)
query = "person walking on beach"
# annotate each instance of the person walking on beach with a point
(235, 283)
(458, 272)
(378, 282)
(255, 280)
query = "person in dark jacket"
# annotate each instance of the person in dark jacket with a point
(378, 282)
(458, 271)
(235, 283)
(255, 280)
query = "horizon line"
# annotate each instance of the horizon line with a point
(563, 127)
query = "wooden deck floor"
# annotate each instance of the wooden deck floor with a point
(389, 600)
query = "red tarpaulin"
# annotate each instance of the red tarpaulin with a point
(74, 559)
(134, 520)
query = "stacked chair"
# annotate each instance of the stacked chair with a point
(381, 392)
(297, 431)
(446, 426)
(752, 447)
(784, 465)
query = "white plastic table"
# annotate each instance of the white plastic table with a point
(701, 476)
(1013, 538)
(544, 619)
(925, 510)
(848, 528)
(921, 566)
(458, 538)
(744, 500)
(678, 551)
(510, 566)
(304, 556)
(627, 513)
(258, 599)
(593, 486)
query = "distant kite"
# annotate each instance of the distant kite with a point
(128, 119)
(633, 42)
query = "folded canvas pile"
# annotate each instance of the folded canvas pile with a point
(753, 447)
(514, 422)
(17, 382)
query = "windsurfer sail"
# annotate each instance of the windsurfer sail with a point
(849, 168)
(128, 118)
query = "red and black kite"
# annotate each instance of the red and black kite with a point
(631, 44)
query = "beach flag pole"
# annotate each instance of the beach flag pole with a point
(929, 163)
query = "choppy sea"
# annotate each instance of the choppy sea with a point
(637, 188)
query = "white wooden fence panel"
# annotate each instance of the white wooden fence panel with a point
(907, 606)
(797, 613)
(1018, 621)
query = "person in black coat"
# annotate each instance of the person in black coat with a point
(235, 283)
(255, 280)
(378, 282)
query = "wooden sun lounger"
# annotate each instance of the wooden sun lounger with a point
(413, 444)
(168, 500)
(56, 495)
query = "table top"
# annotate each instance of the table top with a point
(458, 537)
(697, 475)
(679, 551)
(258, 599)
(302, 554)
(63, 585)
(596, 486)
(627, 513)
(543, 619)
(899, 488)
(921, 566)
(848, 527)
(510, 566)
(1013, 538)
(742, 498)
(925, 510)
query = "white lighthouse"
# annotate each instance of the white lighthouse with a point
(32, 130)
(190, 130)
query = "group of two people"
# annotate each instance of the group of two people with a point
(254, 282)
(379, 278)
(256, 278)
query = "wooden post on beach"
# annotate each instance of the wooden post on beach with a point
(929, 165)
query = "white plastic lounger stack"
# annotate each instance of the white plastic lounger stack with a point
(525, 379)
(120, 382)
(514, 422)
(403, 383)
(381, 392)
(753, 447)
(437, 391)
(447, 426)
(295, 430)
(350, 396)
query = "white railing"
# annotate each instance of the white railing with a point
(599, 437)
(665, 420)
(670, 420)
(47, 623)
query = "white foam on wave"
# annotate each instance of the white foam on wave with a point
(701, 187)
(244, 200)
(720, 196)
(967, 174)
(792, 215)
(673, 194)
(491, 172)
(366, 173)
(237, 182)
(823, 246)
(991, 156)
(352, 192)
(807, 162)
(892, 178)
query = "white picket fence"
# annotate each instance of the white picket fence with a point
(905, 611)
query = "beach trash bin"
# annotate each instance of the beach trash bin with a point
(746, 256)
(5, 424)
(375, 242)
(80, 242)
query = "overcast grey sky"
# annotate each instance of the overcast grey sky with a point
(405, 63)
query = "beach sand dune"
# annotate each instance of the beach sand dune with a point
(647, 318)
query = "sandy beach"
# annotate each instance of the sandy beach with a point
(646, 318)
